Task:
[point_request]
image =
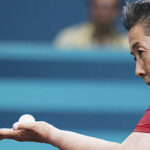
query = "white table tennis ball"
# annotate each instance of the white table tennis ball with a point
(26, 119)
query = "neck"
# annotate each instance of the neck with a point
(103, 29)
(103, 32)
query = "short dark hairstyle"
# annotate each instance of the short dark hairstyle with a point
(118, 3)
(137, 12)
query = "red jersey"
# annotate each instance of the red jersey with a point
(144, 124)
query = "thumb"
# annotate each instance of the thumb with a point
(23, 126)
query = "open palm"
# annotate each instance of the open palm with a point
(33, 132)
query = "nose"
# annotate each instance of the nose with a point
(140, 71)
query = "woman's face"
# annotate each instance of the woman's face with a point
(140, 48)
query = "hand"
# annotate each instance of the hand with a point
(34, 132)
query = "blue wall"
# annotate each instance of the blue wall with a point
(90, 92)
(37, 20)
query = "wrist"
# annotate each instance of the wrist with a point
(54, 136)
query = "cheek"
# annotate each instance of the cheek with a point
(146, 60)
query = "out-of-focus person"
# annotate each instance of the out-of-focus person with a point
(99, 30)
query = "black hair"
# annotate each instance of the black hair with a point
(137, 12)
(118, 3)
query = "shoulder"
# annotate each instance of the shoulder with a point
(121, 39)
(75, 35)
(75, 29)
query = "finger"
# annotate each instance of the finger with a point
(7, 134)
(23, 126)
(15, 126)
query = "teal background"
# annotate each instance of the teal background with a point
(37, 20)
(93, 92)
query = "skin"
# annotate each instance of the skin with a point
(104, 12)
(65, 140)
(45, 133)
(141, 51)
(136, 141)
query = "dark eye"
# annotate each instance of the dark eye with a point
(140, 52)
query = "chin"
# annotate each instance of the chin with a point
(148, 83)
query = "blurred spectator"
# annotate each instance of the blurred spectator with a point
(100, 30)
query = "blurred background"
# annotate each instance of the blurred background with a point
(68, 63)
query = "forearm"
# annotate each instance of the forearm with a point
(66, 140)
